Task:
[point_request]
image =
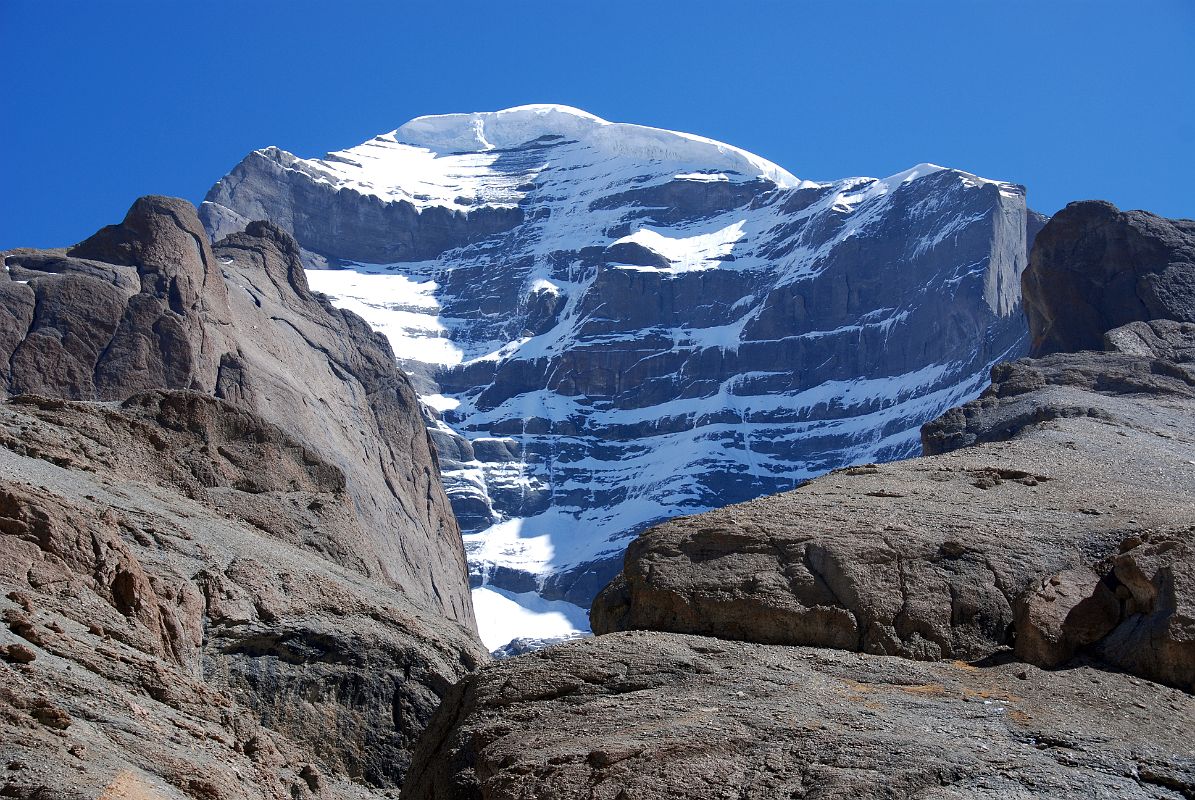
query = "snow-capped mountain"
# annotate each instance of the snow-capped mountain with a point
(612, 324)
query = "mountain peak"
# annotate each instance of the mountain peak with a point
(483, 131)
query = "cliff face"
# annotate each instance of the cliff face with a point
(1051, 525)
(612, 324)
(229, 569)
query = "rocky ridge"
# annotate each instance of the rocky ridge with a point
(1053, 526)
(612, 324)
(229, 569)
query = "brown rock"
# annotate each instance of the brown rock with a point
(75, 317)
(1156, 634)
(50, 715)
(218, 611)
(256, 581)
(1064, 613)
(149, 305)
(17, 654)
(652, 716)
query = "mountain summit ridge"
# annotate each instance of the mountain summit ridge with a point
(512, 127)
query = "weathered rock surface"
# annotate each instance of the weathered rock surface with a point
(923, 558)
(1136, 610)
(1096, 268)
(654, 715)
(177, 639)
(231, 572)
(1145, 378)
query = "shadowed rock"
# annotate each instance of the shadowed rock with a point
(1095, 268)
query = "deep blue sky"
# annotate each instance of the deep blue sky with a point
(105, 101)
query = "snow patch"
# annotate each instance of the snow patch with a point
(687, 253)
(503, 616)
(403, 308)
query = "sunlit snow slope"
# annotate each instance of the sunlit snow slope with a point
(612, 324)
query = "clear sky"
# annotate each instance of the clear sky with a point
(105, 101)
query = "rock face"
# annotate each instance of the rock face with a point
(1054, 514)
(166, 311)
(1147, 369)
(612, 324)
(227, 567)
(651, 715)
(1133, 609)
(1098, 268)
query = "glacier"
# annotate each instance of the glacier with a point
(611, 324)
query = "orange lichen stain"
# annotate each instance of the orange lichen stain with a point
(992, 694)
(127, 786)
(858, 687)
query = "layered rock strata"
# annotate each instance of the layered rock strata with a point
(613, 324)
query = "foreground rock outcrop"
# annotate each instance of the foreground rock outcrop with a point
(926, 558)
(654, 715)
(227, 567)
